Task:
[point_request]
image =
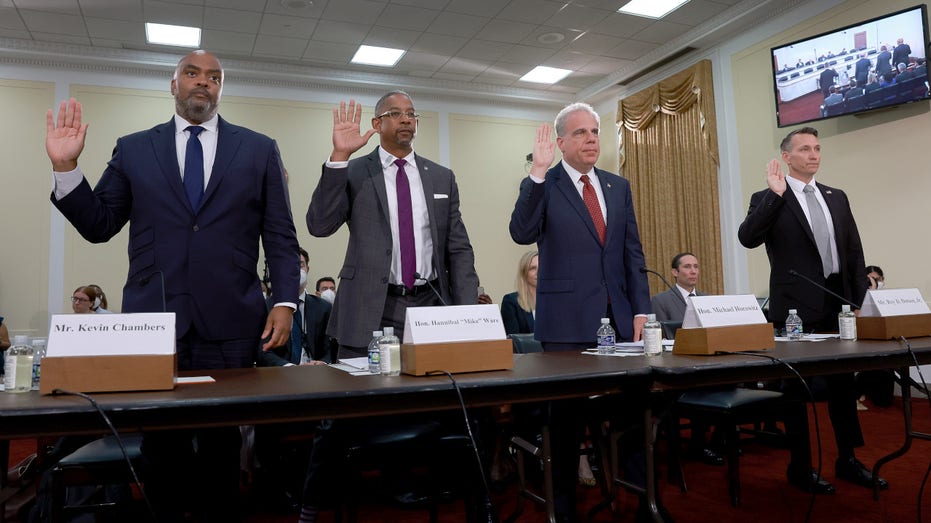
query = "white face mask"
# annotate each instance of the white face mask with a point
(303, 278)
(328, 295)
(880, 284)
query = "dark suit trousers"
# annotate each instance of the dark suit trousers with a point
(198, 470)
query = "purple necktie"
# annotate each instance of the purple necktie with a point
(405, 227)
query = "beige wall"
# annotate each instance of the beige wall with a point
(24, 212)
(878, 158)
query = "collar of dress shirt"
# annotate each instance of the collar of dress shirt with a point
(685, 293)
(210, 125)
(798, 186)
(576, 175)
(387, 158)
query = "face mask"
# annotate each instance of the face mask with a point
(328, 295)
(880, 284)
(303, 278)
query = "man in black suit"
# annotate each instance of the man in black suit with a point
(199, 194)
(808, 228)
(862, 69)
(826, 81)
(900, 53)
(883, 61)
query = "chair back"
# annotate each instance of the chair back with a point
(524, 343)
(670, 328)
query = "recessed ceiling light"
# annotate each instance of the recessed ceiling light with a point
(551, 38)
(651, 8)
(295, 4)
(545, 75)
(178, 35)
(381, 56)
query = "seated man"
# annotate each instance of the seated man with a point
(854, 90)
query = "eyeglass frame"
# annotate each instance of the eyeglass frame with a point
(410, 114)
(78, 299)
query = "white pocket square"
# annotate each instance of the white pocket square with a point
(440, 196)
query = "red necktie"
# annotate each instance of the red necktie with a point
(591, 201)
(405, 226)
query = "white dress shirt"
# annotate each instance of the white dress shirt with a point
(798, 187)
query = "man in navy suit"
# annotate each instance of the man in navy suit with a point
(808, 228)
(199, 194)
(582, 220)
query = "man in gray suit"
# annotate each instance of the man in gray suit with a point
(406, 232)
(670, 305)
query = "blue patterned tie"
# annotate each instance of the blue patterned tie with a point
(194, 167)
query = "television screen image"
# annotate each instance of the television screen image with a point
(869, 65)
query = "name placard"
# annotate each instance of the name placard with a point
(722, 311)
(111, 334)
(893, 302)
(453, 323)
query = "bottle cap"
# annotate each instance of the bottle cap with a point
(651, 317)
(377, 334)
(389, 331)
(20, 339)
(793, 311)
(605, 321)
(845, 308)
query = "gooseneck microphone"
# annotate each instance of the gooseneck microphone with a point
(418, 277)
(794, 272)
(645, 270)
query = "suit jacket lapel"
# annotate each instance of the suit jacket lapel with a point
(166, 154)
(567, 188)
(377, 175)
(228, 142)
(611, 208)
(426, 180)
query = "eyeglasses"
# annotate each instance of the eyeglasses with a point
(396, 115)
(78, 299)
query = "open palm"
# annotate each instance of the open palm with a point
(347, 137)
(64, 139)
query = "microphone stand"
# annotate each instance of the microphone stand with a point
(675, 291)
(418, 277)
(793, 272)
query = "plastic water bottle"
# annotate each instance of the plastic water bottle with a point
(18, 366)
(374, 354)
(605, 337)
(847, 323)
(389, 353)
(793, 325)
(38, 352)
(652, 336)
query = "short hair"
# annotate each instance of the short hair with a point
(876, 269)
(379, 105)
(325, 278)
(559, 124)
(787, 141)
(304, 254)
(677, 259)
(901, 67)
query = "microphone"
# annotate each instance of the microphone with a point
(793, 272)
(161, 275)
(645, 270)
(418, 277)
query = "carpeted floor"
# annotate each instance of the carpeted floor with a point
(766, 495)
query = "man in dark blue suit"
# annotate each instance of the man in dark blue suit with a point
(582, 220)
(199, 194)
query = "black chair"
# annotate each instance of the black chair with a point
(727, 410)
(525, 343)
(670, 328)
(856, 103)
(834, 109)
(97, 464)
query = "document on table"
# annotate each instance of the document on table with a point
(629, 348)
(811, 337)
(353, 366)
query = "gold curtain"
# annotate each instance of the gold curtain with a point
(669, 152)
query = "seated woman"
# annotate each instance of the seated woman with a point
(517, 308)
(84, 300)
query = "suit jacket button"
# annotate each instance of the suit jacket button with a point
(388, 252)
(196, 228)
(384, 280)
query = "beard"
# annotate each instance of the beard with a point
(195, 110)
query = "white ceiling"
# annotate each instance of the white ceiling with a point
(479, 48)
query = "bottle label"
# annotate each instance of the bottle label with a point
(848, 327)
(606, 340)
(652, 340)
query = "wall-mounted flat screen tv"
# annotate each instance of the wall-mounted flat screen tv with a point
(869, 65)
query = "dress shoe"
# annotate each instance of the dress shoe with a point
(852, 470)
(808, 481)
(706, 456)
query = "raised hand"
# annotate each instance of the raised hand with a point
(64, 140)
(346, 131)
(544, 151)
(775, 177)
